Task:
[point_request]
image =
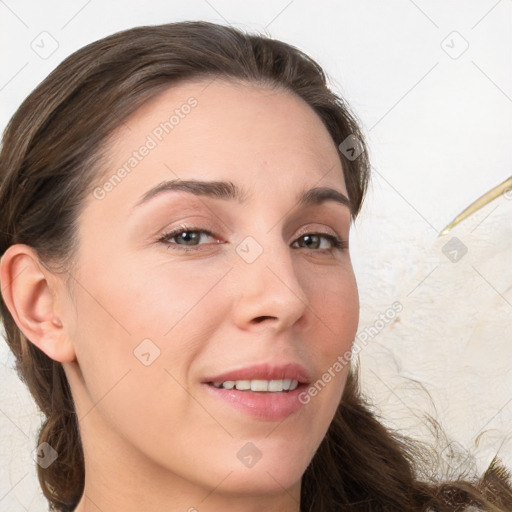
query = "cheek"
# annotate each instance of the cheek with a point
(151, 299)
(146, 330)
(168, 293)
(334, 302)
(122, 305)
(136, 340)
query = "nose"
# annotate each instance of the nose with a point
(269, 291)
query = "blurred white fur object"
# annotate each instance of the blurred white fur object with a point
(448, 353)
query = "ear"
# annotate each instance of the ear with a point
(29, 293)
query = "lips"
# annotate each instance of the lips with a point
(265, 371)
(254, 397)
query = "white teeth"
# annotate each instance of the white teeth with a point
(275, 385)
(259, 385)
(242, 385)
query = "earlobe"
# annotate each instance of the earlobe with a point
(27, 293)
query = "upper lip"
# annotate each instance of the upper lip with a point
(265, 371)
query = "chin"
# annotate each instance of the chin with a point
(268, 469)
(273, 480)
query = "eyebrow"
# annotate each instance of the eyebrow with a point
(227, 190)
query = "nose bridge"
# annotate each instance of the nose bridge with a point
(267, 281)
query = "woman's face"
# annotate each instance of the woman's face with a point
(253, 292)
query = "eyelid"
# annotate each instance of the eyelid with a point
(325, 230)
(337, 242)
(191, 226)
(212, 231)
(173, 232)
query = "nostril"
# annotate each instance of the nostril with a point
(261, 318)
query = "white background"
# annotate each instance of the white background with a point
(439, 125)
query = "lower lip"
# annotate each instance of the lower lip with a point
(270, 406)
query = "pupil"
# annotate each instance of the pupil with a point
(188, 236)
(309, 238)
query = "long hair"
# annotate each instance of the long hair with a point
(51, 158)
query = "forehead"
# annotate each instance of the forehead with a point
(209, 129)
(211, 113)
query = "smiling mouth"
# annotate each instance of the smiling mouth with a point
(266, 392)
(258, 385)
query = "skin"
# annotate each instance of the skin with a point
(153, 438)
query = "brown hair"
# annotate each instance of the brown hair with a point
(50, 160)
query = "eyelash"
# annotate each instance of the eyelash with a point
(337, 243)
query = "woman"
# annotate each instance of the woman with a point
(177, 287)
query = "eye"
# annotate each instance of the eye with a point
(313, 240)
(185, 237)
(189, 239)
